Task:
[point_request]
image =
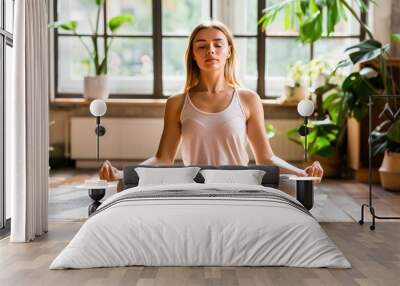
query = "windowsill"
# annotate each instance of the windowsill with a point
(145, 102)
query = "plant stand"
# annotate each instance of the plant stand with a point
(370, 202)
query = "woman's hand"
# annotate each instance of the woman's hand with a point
(108, 172)
(315, 170)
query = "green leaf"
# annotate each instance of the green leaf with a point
(356, 92)
(395, 38)
(393, 132)
(65, 25)
(333, 15)
(325, 151)
(289, 17)
(365, 56)
(367, 45)
(311, 29)
(99, 2)
(117, 21)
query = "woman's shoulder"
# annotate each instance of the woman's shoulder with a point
(249, 99)
(247, 94)
(175, 103)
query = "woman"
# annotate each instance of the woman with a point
(213, 116)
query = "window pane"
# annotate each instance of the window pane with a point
(141, 11)
(83, 11)
(71, 70)
(131, 66)
(180, 16)
(173, 65)
(277, 27)
(351, 26)
(280, 53)
(240, 16)
(9, 9)
(246, 50)
(333, 49)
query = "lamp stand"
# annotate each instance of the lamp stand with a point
(97, 194)
(100, 131)
(305, 138)
(305, 188)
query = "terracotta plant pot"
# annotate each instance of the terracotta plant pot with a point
(295, 94)
(390, 171)
(96, 87)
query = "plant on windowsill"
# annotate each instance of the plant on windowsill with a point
(295, 88)
(95, 86)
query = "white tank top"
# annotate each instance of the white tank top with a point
(214, 138)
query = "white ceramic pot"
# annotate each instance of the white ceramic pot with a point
(390, 171)
(95, 87)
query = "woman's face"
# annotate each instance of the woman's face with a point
(211, 49)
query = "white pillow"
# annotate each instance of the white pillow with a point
(249, 177)
(163, 176)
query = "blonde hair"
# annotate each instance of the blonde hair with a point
(193, 70)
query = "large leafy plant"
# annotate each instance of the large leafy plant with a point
(314, 18)
(94, 58)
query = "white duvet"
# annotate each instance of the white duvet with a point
(183, 231)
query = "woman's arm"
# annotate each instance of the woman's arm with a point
(168, 145)
(259, 141)
(171, 134)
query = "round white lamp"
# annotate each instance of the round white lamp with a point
(98, 108)
(305, 108)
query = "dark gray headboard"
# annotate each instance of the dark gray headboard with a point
(270, 179)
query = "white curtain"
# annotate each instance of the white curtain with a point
(27, 122)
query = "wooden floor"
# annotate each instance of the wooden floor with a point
(374, 255)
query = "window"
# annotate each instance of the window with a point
(283, 49)
(131, 53)
(6, 43)
(146, 59)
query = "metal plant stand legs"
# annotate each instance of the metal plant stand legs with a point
(369, 205)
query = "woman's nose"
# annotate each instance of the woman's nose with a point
(211, 50)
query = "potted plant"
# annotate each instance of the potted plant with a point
(95, 83)
(386, 139)
(295, 89)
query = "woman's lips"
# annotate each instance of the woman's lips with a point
(211, 60)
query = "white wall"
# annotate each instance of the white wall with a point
(381, 20)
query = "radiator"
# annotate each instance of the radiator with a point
(138, 139)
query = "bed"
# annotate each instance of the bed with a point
(201, 224)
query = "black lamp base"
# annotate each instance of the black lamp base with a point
(96, 195)
(305, 193)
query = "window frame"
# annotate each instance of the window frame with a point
(158, 36)
(6, 39)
